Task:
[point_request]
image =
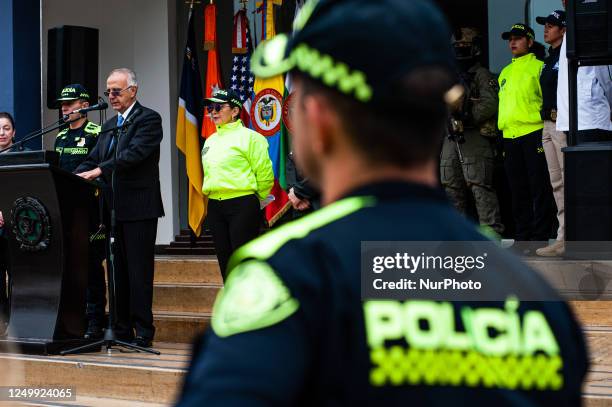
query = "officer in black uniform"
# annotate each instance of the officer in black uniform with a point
(74, 144)
(290, 327)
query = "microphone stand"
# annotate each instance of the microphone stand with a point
(110, 338)
(38, 133)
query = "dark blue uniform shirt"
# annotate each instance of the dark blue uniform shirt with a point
(290, 328)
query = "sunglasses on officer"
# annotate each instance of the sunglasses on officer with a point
(217, 107)
(115, 92)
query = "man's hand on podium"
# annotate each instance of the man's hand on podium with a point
(92, 174)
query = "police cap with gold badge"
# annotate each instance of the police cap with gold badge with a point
(353, 46)
(224, 96)
(519, 30)
(75, 91)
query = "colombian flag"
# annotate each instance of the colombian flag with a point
(266, 118)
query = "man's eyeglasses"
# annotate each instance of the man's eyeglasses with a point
(216, 107)
(115, 92)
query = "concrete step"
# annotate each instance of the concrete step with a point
(180, 327)
(187, 251)
(184, 297)
(119, 375)
(195, 269)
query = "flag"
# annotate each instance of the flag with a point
(187, 129)
(266, 117)
(242, 79)
(213, 72)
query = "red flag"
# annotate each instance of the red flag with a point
(213, 73)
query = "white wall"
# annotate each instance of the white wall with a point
(542, 8)
(140, 34)
(502, 15)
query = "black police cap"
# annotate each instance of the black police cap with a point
(557, 18)
(224, 96)
(75, 91)
(520, 30)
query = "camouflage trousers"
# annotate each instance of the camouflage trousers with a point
(474, 175)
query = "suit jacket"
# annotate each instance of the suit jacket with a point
(137, 189)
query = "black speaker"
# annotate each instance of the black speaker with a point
(588, 194)
(72, 57)
(589, 29)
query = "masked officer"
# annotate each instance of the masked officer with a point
(467, 160)
(74, 144)
(290, 327)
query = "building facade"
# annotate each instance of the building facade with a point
(149, 37)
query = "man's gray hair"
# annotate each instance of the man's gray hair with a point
(131, 75)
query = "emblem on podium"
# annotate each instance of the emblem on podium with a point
(31, 224)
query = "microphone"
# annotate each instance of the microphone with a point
(99, 106)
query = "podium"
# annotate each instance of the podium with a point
(46, 223)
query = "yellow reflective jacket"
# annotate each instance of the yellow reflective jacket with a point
(236, 163)
(520, 97)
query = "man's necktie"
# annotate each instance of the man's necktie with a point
(120, 121)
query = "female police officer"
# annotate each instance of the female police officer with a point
(237, 175)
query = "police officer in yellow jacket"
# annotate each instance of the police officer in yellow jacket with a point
(76, 141)
(74, 144)
(237, 176)
(293, 327)
(520, 103)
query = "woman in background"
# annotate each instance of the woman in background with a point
(237, 176)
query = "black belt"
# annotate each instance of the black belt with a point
(549, 114)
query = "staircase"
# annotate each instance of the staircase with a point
(185, 244)
(184, 292)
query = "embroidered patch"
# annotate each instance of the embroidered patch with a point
(254, 297)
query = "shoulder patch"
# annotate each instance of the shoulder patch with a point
(254, 297)
(92, 128)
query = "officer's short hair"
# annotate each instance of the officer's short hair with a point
(132, 80)
(407, 134)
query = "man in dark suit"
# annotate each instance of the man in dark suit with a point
(137, 200)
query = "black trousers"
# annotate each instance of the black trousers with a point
(233, 222)
(98, 251)
(134, 264)
(96, 285)
(532, 200)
